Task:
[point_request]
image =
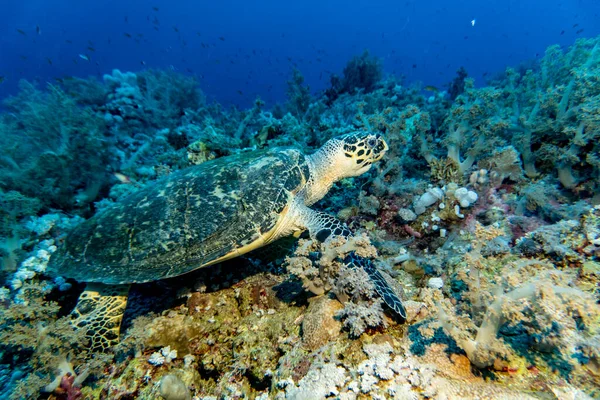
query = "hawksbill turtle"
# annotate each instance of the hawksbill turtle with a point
(206, 214)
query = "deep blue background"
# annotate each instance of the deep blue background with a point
(423, 40)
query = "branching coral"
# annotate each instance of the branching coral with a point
(36, 339)
(485, 349)
(362, 308)
(473, 125)
(151, 98)
(361, 73)
(298, 95)
(554, 317)
(67, 384)
(66, 150)
(549, 115)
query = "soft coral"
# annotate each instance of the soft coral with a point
(67, 384)
(68, 389)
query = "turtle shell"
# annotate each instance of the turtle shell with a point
(189, 219)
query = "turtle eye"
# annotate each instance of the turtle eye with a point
(371, 142)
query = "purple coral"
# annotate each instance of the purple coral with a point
(68, 389)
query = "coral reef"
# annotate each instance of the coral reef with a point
(484, 216)
(361, 73)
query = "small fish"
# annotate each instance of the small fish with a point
(49, 60)
(2, 78)
(221, 38)
(155, 8)
(127, 35)
(68, 41)
(123, 178)
(431, 88)
(562, 32)
(38, 29)
(84, 57)
(414, 65)
(23, 57)
(143, 62)
(126, 19)
(473, 22)
(22, 32)
(90, 48)
(575, 25)
(176, 29)
(579, 31)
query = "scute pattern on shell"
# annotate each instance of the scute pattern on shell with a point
(184, 221)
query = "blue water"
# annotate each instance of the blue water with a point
(241, 50)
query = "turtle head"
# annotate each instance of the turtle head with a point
(357, 151)
(342, 157)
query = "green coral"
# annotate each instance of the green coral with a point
(34, 337)
(299, 98)
(65, 151)
(549, 114)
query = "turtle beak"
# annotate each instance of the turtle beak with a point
(380, 149)
(385, 146)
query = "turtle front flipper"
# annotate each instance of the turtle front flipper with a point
(322, 226)
(99, 312)
(353, 260)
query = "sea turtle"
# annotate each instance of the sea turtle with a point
(206, 214)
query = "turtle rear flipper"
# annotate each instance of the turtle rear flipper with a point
(99, 312)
